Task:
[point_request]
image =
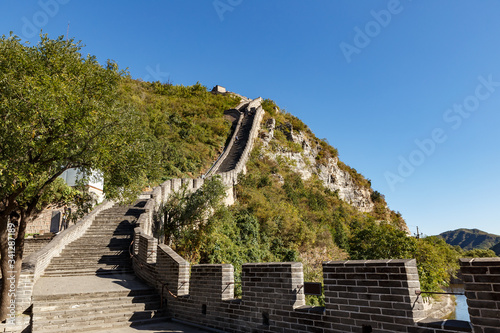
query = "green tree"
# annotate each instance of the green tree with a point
(58, 111)
(185, 215)
(479, 253)
(372, 240)
(437, 262)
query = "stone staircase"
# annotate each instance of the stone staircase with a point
(103, 249)
(91, 286)
(238, 147)
(97, 312)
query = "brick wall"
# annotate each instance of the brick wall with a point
(173, 271)
(360, 296)
(161, 193)
(379, 294)
(482, 288)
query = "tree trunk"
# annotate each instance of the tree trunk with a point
(7, 269)
(11, 251)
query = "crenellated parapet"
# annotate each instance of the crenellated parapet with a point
(482, 288)
(360, 295)
(377, 293)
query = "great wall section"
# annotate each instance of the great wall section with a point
(360, 296)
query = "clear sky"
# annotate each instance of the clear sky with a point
(407, 91)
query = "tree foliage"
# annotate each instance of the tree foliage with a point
(185, 215)
(379, 241)
(437, 262)
(186, 122)
(58, 111)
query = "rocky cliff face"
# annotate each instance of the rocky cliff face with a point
(305, 162)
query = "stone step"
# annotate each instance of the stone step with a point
(96, 250)
(88, 263)
(65, 302)
(115, 217)
(101, 246)
(76, 267)
(107, 232)
(115, 220)
(115, 223)
(97, 241)
(92, 256)
(101, 241)
(82, 324)
(88, 271)
(112, 224)
(96, 311)
(95, 255)
(99, 237)
(103, 250)
(101, 327)
(137, 291)
(50, 313)
(84, 265)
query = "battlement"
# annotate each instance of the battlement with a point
(360, 296)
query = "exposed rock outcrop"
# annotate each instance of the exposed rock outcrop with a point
(340, 180)
(305, 163)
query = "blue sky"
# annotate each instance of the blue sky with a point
(407, 91)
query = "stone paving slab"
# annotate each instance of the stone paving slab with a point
(87, 284)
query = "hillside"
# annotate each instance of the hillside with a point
(469, 239)
(297, 200)
(186, 123)
(496, 249)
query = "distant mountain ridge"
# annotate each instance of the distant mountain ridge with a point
(469, 239)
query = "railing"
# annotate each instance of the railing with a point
(419, 292)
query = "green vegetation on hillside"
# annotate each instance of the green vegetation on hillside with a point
(471, 239)
(281, 217)
(186, 123)
(496, 249)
